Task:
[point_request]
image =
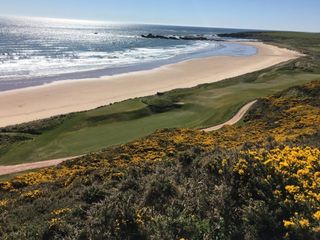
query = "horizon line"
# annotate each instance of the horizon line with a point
(150, 23)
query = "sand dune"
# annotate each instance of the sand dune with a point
(62, 97)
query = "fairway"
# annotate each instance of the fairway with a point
(202, 106)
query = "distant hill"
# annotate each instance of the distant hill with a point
(260, 180)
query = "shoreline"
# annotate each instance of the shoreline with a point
(227, 48)
(62, 97)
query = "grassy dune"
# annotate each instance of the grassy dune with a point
(198, 107)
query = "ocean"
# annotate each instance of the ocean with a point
(36, 51)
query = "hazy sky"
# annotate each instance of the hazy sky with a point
(300, 15)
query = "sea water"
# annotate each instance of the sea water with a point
(35, 51)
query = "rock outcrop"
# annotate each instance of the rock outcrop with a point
(191, 37)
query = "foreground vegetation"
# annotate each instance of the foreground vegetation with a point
(260, 180)
(197, 107)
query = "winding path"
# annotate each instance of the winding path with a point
(5, 170)
(236, 118)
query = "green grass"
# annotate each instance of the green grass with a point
(197, 107)
(305, 42)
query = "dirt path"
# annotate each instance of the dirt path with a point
(5, 170)
(236, 118)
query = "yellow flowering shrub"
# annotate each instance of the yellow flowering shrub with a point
(155, 148)
(316, 215)
(6, 185)
(32, 194)
(284, 117)
(55, 221)
(4, 202)
(274, 155)
(292, 189)
(61, 211)
(288, 223)
(304, 223)
(241, 167)
(301, 166)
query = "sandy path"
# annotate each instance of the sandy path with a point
(4, 170)
(236, 118)
(63, 97)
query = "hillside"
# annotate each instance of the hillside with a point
(260, 180)
(199, 107)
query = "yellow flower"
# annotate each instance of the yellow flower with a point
(54, 221)
(224, 162)
(6, 186)
(3, 203)
(316, 215)
(288, 223)
(32, 194)
(60, 211)
(276, 192)
(304, 223)
(292, 188)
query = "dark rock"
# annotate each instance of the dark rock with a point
(188, 38)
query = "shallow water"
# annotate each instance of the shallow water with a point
(34, 51)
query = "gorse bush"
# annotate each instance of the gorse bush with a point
(260, 180)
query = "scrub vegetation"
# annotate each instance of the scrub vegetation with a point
(260, 180)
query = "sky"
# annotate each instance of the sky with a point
(296, 15)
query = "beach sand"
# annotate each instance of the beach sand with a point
(23, 105)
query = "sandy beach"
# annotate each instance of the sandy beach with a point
(23, 105)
